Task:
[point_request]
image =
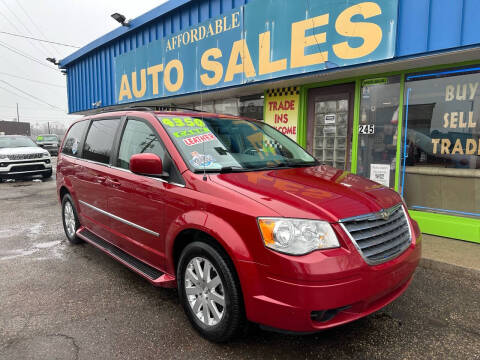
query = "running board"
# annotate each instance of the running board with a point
(137, 265)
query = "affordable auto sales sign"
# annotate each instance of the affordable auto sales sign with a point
(261, 40)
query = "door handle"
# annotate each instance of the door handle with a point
(100, 179)
(112, 182)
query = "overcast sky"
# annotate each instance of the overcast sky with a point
(74, 22)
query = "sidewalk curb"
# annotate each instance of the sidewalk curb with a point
(451, 268)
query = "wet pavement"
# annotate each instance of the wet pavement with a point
(59, 301)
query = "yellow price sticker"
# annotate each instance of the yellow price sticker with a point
(183, 122)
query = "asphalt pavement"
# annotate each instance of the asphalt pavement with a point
(59, 301)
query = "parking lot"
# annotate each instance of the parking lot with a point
(60, 301)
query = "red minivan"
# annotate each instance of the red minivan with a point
(243, 221)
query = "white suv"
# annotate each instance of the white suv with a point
(21, 157)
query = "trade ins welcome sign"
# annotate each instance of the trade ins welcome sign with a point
(261, 40)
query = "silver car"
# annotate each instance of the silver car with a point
(21, 157)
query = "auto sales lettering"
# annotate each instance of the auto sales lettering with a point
(258, 41)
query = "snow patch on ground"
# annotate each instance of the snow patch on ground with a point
(47, 245)
(42, 250)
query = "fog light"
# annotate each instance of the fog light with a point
(47, 161)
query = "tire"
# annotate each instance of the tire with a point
(232, 314)
(47, 175)
(71, 235)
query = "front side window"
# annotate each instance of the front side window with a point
(73, 138)
(229, 144)
(99, 141)
(138, 138)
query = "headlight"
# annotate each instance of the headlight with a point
(297, 236)
(46, 155)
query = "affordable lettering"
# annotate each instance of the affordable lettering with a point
(306, 34)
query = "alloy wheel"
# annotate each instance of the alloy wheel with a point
(69, 218)
(204, 290)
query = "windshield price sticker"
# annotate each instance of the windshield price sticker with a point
(366, 129)
(183, 122)
(191, 126)
(191, 132)
(194, 140)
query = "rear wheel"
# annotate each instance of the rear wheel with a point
(209, 292)
(70, 220)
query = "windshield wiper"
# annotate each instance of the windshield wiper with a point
(227, 169)
(302, 163)
(222, 170)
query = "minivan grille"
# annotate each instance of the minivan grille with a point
(381, 236)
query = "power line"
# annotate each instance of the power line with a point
(35, 26)
(32, 96)
(26, 55)
(37, 117)
(36, 81)
(32, 101)
(42, 48)
(20, 96)
(47, 41)
(40, 108)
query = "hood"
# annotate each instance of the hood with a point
(320, 192)
(23, 150)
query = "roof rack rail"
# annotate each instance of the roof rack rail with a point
(171, 107)
(137, 108)
(185, 108)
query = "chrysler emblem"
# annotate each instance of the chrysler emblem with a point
(384, 215)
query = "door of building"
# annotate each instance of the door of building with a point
(330, 122)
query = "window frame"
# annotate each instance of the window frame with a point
(80, 142)
(118, 140)
(114, 142)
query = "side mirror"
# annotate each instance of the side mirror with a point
(147, 164)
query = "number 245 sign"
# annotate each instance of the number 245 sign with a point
(366, 129)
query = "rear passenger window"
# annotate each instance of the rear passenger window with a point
(99, 141)
(138, 138)
(72, 140)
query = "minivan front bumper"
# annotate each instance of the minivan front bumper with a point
(341, 296)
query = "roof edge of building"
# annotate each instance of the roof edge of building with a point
(136, 23)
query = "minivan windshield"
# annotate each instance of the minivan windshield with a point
(15, 142)
(228, 144)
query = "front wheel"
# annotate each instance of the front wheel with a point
(210, 292)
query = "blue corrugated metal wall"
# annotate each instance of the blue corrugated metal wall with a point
(423, 26)
(433, 25)
(91, 79)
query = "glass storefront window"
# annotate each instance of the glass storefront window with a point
(378, 124)
(248, 106)
(442, 152)
(252, 107)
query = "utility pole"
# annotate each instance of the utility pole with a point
(48, 124)
(18, 116)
